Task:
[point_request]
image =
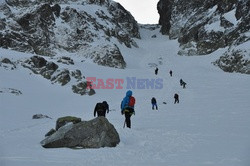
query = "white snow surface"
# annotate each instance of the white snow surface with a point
(230, 16)
(209, 127)
(215, 26)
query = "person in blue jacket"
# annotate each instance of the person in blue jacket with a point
(154, 103)
(127, 107)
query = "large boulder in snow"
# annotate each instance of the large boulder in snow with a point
(95, 133)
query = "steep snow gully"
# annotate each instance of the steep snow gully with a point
(210, 125)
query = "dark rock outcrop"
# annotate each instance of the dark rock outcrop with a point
(6, 60)
(11, 90)
(77, 74)
(82, 89)
(106, 55)
(234, 61)
(63, 77)
(51, 71)
(41, 66)
(40, 116)
(66, 60)
(95, 133)
(165, 10)
(7, 64)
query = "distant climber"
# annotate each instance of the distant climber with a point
(101, 109)
(156, 71)
(106, 106)
(181, 82)
(176, 98)
(184, 84)
(171, 73)
(154, 103)
(127, 107)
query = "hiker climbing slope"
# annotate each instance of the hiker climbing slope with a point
(176, 98)
(127, 107)
(154, 103)
(156, 71)
(101, 109)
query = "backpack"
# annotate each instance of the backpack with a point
(131, 102)
(100, 107)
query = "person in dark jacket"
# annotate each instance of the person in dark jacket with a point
(127, 109)
(156, 71)
(181, 82)
(101, 109)
(106, 106)
(171, 73)
(154, 103)
(184, 84)
(176, 98)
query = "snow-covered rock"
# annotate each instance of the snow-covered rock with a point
(236, 59)
(40, 116)
(7, 64)
(11, 91)
(51, 71)
(95, 133)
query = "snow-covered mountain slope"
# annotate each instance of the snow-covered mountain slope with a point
(89, 28)
(210, 125)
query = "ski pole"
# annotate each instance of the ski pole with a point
(124, 123)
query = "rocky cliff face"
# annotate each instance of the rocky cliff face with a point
(77, 26)
(202, 27)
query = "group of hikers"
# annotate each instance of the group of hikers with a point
(176, 96)
(154, 102)
(128, 103)
(127, 108)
